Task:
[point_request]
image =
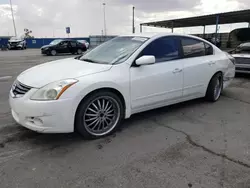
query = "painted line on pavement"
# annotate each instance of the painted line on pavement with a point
(3, 78)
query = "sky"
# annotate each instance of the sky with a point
(49, 18)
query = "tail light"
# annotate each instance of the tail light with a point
(231, 58)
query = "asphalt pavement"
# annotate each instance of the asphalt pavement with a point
(192, 144)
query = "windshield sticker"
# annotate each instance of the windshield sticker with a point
(141, 39)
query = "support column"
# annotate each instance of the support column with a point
(172, 27)
(133, 21)
(204, 31)
(217, 26)
(141, 28)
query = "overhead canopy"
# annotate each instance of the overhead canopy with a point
(224, 18)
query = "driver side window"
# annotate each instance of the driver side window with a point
(64, 43)
(164, 49)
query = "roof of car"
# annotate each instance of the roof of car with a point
(155, 35)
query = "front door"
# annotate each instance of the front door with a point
(159, 83)
(63, 47)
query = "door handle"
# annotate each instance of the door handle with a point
(177, 70)
(211, 63)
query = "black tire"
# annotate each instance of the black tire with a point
(79, 51)
(214, 91)
(53, 52)
(80, 123)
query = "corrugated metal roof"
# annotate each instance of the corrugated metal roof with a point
(224, 18)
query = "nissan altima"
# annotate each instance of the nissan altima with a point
(94, 92)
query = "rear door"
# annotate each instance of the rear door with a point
(73, 46)
(199, 66)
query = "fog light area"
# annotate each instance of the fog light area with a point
(35, 121)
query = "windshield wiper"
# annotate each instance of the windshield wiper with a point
(89, 60)
(119, 58)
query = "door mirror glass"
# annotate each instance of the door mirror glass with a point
(145, 60)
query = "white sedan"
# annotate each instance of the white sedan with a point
(86, 43)
(93, 93)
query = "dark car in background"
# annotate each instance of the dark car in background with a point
(63, 46)
(242, 58)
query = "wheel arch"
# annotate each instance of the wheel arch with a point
(110, 89)
(213, 76)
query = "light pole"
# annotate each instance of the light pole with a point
(133, 20)
(13, 19)
(104, 19)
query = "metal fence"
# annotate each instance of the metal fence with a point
(96, 40)
(39, 42)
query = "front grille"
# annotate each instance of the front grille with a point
(14, 43)
(242, 69)
(242, 60)
(20, 89)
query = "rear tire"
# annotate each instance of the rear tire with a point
(79, 51)
(99, 115)
(215, 88)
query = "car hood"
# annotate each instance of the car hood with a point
(46, 46)
(16, 40)
(46, 73)
(241, 55)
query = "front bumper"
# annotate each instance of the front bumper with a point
(43, 116)
(243, 68)
(45, 51)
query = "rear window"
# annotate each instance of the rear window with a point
(209, 49)
(192, 47)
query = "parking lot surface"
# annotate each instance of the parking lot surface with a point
(192, 144)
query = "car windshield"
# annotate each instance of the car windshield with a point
(114, 51)
(54, 42)
(16, 38)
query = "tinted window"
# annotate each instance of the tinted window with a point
(164, 49)
(64, 43)
(192, 47)
(209, 49)
(73, 43)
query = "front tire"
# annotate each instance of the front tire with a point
(215, 88)
(53, 52)
(99, 115)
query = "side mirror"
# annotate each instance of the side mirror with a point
(145, 60)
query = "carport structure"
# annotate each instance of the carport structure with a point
(212, 19)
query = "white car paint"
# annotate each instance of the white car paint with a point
(84, 42)
(240, 66)
(241, 55)
(143, 88)
(66, 68)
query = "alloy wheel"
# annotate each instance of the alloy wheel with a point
(217, 89)
(101, 116)
(79, 51)
(53, 52)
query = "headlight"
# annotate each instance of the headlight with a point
(54, 90)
